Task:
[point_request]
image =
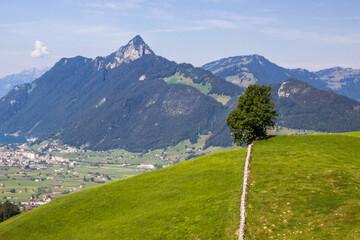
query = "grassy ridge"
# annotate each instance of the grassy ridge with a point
(305, 187)
(196, 199)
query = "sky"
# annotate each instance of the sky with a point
(311, 34)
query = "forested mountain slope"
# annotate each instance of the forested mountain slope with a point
(131, 99)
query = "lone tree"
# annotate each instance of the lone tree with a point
(253, 114)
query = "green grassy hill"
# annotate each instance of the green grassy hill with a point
(301, 187)
(196, 199)
(305, 187)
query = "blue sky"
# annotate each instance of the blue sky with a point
(312, 34)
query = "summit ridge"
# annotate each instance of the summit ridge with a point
(135, 49)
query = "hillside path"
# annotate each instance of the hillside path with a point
(244, 194)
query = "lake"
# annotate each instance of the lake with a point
(11, 139)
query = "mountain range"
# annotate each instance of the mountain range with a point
(130, 99)
(344, 81)
(135, 100)
(301, 106)
(25, 76)
(250, 69)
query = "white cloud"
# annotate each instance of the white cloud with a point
(200, 25)
(114, 5)
(218, 23)
(179, 29)
(20, 24)
(334, 37)
(40, 50)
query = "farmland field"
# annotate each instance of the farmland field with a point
(92, 168)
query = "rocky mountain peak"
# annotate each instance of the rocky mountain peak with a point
(135, 49)
(137, 40)
(293, 86)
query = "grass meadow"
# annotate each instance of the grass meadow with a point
(195, 199)
(305, 187)
(301, 187)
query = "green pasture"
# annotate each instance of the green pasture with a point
(196, 199)
(305, 187)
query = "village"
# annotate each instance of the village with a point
(34, 173)
(33, 176)
(29, 159)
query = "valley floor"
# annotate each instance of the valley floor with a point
(52, 170)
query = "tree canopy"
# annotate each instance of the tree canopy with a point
(253, 114)
(7, 210)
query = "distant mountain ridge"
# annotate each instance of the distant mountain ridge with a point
(344, 81)
(25, 76)
(250, 69)
(136, 100)
(301, 106)
(131, 99)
